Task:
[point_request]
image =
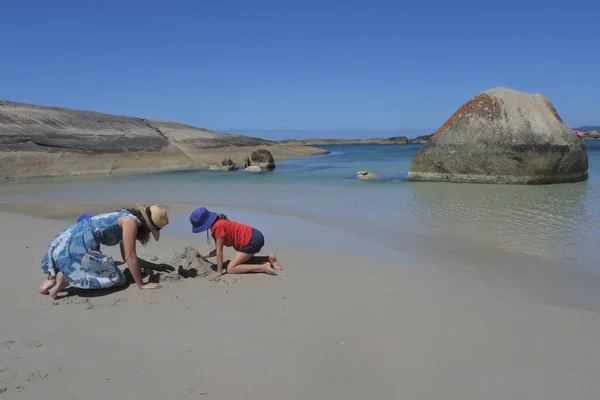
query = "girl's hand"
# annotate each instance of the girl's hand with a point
(204, 256)
(150, 286)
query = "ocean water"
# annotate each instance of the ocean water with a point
(540, 240)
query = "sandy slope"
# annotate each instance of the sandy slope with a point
(332, 326)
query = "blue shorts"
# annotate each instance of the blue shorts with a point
(256, 243)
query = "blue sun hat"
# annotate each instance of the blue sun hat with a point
(83, 217)
(202, 219)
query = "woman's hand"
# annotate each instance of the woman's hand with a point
(150, 286)
(130, 228)
(204, 256)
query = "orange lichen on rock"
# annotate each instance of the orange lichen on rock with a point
(482, 105)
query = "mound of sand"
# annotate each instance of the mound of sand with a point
(187, 264)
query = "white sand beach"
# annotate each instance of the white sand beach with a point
(333, 325)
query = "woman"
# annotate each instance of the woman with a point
(73, 257)
(246, 240)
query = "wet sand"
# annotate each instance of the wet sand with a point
(356, 324)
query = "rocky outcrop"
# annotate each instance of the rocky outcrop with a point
(25, 127)
(503, 136)
(226, 165)
(253, 168)
(39, 141)
(366, 176)
(263, 159)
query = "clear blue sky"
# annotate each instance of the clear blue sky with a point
(332, 65)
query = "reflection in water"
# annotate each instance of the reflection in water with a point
(538, 220)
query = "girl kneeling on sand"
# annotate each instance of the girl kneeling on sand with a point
(73, 257)
(246, 240)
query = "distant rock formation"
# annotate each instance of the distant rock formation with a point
(263, 159)
(246, 162)
(588, 128)
(226, 165)
(39, 141)
(366, 176)
(503, 136)
(390, 140)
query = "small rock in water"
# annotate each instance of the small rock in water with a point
(366, 175)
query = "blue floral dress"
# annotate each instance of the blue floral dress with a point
(75, 252)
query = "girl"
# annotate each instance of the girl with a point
(73, 257)
(246, 240)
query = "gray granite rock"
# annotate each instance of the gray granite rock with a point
(503, 136)
(262, 158)
(27, 127)
(226, 165)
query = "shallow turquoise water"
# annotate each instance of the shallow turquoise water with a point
(547, 235)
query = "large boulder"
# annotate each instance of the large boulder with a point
(503, 136)
(262, 158)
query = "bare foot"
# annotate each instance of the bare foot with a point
(276, 265)
(61, 283)
(268, 269)
(47, 285)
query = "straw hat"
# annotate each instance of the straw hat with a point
(156, 218)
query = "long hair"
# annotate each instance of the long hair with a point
(143, 232)
(219, 217)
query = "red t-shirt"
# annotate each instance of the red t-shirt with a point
(236, 235)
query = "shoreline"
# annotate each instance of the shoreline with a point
(72, 210)
(331, 325)
(28, 166)
(543, 280)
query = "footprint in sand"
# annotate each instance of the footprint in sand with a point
(191, 391)
(7, 375)
(36, 376)
(2, 390)
(30, 345)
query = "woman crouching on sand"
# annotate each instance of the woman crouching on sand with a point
(246, 240)
(73, 257)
